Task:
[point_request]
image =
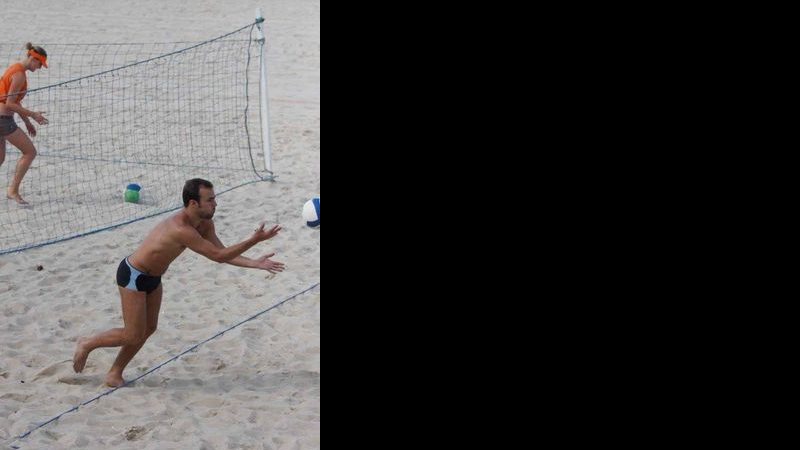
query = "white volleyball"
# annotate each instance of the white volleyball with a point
(311, 212)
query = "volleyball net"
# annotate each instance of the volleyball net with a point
(151, 114)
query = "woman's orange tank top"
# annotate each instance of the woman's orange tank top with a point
(5, 82)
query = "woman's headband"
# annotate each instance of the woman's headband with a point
(38, 56)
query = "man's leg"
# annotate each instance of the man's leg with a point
(134, 314)
(128, 351)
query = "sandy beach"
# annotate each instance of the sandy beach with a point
(255, 387)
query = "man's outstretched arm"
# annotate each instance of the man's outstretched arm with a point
(262, 263)
(190, 238)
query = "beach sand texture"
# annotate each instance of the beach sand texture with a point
(255, 387)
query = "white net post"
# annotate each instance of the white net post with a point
(264, 96)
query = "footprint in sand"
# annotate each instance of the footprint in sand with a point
(135, 433)
(50, 370)
(22, 398)
(74, 380)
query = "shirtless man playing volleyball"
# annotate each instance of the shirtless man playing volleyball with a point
(139, 275)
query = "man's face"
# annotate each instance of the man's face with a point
(208, 203)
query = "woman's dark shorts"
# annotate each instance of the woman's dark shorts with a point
(7, 125)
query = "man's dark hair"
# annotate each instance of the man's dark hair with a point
(191, 190)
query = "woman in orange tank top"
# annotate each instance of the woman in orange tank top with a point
(13, 87)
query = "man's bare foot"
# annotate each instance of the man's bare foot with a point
(81, 353)
(17, 198)
(114, 380)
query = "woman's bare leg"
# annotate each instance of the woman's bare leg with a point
(2, 150)
(25, 145)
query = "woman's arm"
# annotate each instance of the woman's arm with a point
(12, 102)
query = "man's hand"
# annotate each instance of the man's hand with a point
(264, 263)
(262, 235)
